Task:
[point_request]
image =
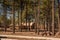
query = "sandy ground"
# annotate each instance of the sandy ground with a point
(27, 38)
(24, 34)
(23, 39)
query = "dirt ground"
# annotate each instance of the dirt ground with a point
(26, 34)
(20, 33)
(23, 34)
(23, 39)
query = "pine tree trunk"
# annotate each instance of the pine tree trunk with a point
(13, 16)
(35, 20)
(58, 33)
(5, 15)
(18, 19)
(59, 17)
(38, 14)
(53, 16)
(26, 15)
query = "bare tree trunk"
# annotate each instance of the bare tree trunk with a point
(18, 19)
(26, 15)
(53, 16)
(45, 25)
(21, 16)
(5, 15)
(35, 20)
(38, 14)
(48, 17)
(59, 18)
(21, 20)
(58, 33)
(38, 20)
(29, 25)
(13, 12)
(5, 23)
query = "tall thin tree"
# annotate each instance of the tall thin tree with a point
(53, 17)
(38, 14)
(5, 14)
(13, 16)
(58, 18)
